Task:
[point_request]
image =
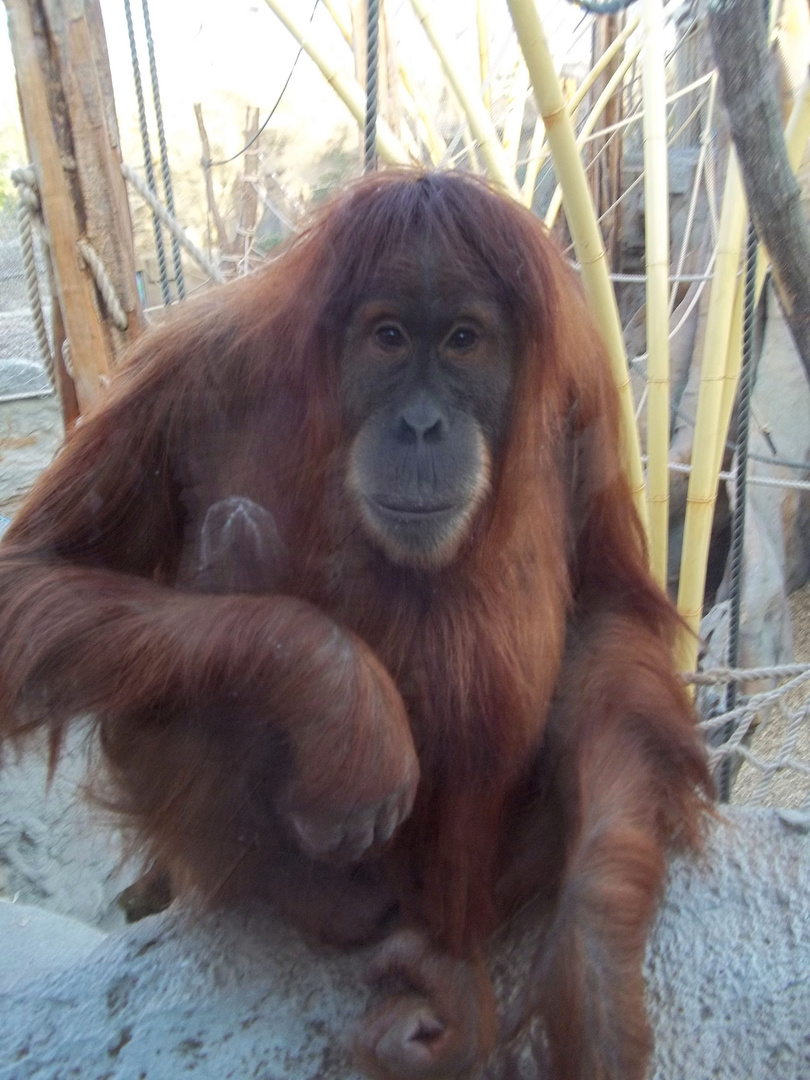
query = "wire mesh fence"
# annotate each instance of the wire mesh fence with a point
(21, 368)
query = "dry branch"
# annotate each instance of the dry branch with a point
(751, 98)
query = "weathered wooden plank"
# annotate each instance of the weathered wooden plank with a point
(76, 30)
(89, 351)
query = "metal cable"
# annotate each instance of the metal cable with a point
(165, 171)
(147, 158)
(372, 65)
(737, 552)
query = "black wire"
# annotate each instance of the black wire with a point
(247, 146)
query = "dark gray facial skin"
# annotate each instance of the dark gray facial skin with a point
(426, 380)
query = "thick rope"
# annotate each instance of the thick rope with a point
(716, 676)
(165, 171)
(163, 272)
(176, 229)
(759, 481)
(756, 703)
(104, 285)
(372, 72)
(25, 180)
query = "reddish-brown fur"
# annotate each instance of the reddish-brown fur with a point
(531, 678)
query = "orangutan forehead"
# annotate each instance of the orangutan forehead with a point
(427, 275)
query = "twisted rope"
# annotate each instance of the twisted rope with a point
(372, 67)
(147, 157)
(756, 703)
(104, 285)
(723, 675)
(25, 180)
(165, 171)
(736, 726)
(173, 226)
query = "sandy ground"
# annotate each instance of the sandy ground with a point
(30, 435)
(777, 735)
(57, 854)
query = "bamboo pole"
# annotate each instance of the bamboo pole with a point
(797, 132)
(537, 155)
(339, 21)
(90, 355)
(437, 147)
(388, 145)
(481, 126)
(539, 148)
(513, 123)
(656, 243)
(582, 223)
(600, 104)
(482, 19)
(699, 515)
(708, 439)
(618, 42)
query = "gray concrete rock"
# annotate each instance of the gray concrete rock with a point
(36, 942)
(57, 851)
(239, 995)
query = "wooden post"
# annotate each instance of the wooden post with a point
(65, 92)
(76, 28)
(740, 39)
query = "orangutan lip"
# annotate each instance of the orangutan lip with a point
(410, 513)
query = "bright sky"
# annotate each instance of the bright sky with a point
(227, 53)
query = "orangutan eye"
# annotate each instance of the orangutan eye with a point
(463, 337)
(390, 336)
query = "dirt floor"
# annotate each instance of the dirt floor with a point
(30, 435)
(778, 736)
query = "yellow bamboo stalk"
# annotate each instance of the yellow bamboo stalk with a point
(797, 132)
(582, 223)
(709, 439)
(513, 124)
(539, 148)
(388, 145)
(482, 17)
(616, 79)
(437, 147)
(481, 126)
(338, 20)
(603, 61)
(699, 514)
(656, 244)
(537, 155)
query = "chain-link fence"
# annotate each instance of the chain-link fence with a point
(21, 369)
